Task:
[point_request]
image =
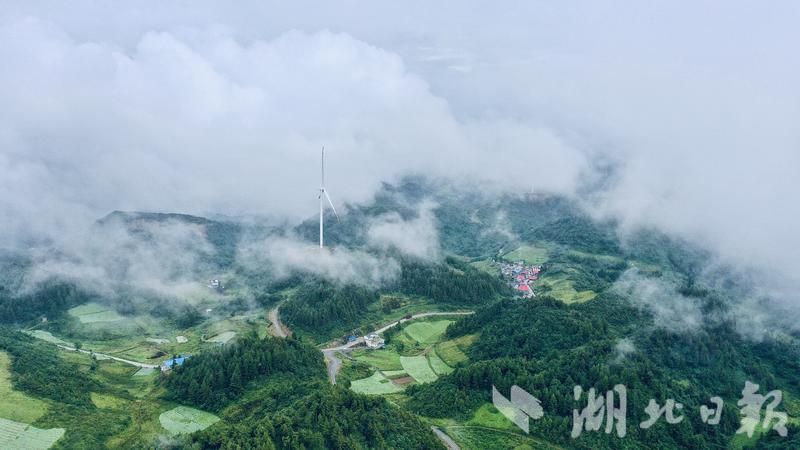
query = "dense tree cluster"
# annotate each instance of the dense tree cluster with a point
(214, 378)
(323, 306)
(547, 348)
(327, 418)
(578, 232)
(50, 300)
(455, 282)
(38, 370)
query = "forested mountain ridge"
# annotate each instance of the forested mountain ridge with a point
(604, 314)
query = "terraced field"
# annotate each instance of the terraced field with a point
(427, 332)
(184, 420)
(381, 359)
(94, 313)
(376, 384)
(223, 337)
(47, 337)
(18, 435)
(15, 405)
(418, 367)
(531, 255)
(454, 350)
(561, 288)
(438, 365)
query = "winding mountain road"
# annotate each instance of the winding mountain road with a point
(277, 329)
(360, 339)
(447, 440)
(334, 363)
(103, 355)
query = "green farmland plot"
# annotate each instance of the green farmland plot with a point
(94, 313)
(16, 405)
(381, 359)
(427, 332)
(528, 253)
(394, 373)
(144, 371)
(184, 420)
(223, 337)
(561, 288)
(23, 436)
(438, 365)
(47, 337)
(375, 385)
(419, 368)
(454, 351)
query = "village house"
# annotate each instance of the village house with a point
(374, 341)
(168, 365)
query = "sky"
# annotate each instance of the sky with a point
(204, 108)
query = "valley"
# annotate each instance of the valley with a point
(208, 368)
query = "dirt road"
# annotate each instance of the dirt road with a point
(334, 364)
(449, 442)
(104, 356)
(277, 329)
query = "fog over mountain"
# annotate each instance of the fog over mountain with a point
(680, 115)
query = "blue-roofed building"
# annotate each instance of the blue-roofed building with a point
(167, 365)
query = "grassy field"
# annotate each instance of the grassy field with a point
(95, 312)
(419, 368)
(15, 405)
(528, 253)
(438, 366)
(183, 420)
(427, 332)
(480, 438)
(144, 371)
(377, 384)
(108, 401)
(488, 416)
(453, 351)
(146, 339)
(394, 373)
(382, 359)
(47, 336)
(486, 266)
(561, 289)
(17, 435)
(223, 337)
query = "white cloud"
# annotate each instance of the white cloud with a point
(196, 108)
(418, 237)
(281, 257)
(671, 310)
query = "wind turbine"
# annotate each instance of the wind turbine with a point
(324, 193)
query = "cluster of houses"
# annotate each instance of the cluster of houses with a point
(521, 276)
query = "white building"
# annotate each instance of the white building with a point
(374, 341)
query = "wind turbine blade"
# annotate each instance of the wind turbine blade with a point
(332, 207)
(323, 167)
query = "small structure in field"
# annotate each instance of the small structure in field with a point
(169, 364)
(216, 285)
(181, 339)
(374, 341)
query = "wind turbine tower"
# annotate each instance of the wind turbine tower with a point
(324, 193)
